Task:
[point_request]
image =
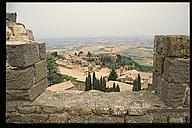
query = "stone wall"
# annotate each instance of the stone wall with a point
(26, 67)
(171, 78)
(73, 106)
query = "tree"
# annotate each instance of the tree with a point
(86, 85)
(112, 75)
(104, 85)
(137, 84)
(94, 80)
(89, 54)
(107, 89)
(114, 87)
(101, 84)
(97, 84)
(53, 74)
(118, 88)
(89, 81)
(81, 52)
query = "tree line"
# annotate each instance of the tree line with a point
(95, 84)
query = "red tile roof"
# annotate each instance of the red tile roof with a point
(60, 86)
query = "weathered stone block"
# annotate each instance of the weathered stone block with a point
(176, 118)
(179, 46)
(21, 54)
(27, 118)
(117, 111)
(58, 118)
(80, 111)
(76, 119)
(52, 109)
(42, 50)
(30, 94)
(101, 111)
(30, 34)
(29, 109)
(156, 80)
(16, 95)
(19, 30)
(11, 16)
(8, 33)
(113, 120)
(186, 51)
(139, 119)
(20, 78)
(172, 94)
(19, 38)
(41, 99)
(136, 108)
(176, 70)
(172, 45)
(161, 44)
(15, 117)
(105, 119)
(9, 24)
(160, 118)
(160, 87)
(188, 118)
(12, 106)
(187, 96)
(38, 118)
(158, 63)
(40, 70)
(37, 89)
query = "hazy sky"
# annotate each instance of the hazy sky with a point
(102, 19)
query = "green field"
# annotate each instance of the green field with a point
(143, 56)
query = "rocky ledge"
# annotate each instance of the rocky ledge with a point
(72, 106)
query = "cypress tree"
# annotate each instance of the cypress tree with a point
(113, 75)
(94, 80)
(104, 84)
(107, 89)
(113, 89)
(139, 82)
(135, 85)
(96, 84)
(118, 88)
(110, 89)
(89, 82)
(101, 84)
(86, 88)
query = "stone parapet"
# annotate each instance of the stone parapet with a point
(171, 68)
(70, 106)
(26, 67)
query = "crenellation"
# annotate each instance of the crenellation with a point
(171, 64)
(11, 16)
